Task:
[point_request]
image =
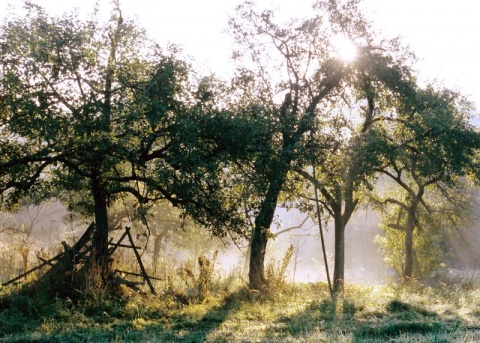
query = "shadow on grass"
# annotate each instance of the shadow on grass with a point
(340, 317)
(188, 327)
(357, 318)
(403, 318)
(23, 320)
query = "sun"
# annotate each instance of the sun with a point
(345, 48)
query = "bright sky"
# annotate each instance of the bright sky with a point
(445, 34)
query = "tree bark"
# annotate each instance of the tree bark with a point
(256, 272)
(261, 231)
(408, 271)
(339, 266)
(100, 237)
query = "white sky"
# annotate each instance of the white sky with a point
(444, 34)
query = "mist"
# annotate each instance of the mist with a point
(38, 230)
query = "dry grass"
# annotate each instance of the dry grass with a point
(301, 313)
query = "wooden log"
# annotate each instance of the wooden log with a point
(116, 280)
(45, 261)
(136, 274)
(118, 245)
(139, 259)
(85, 237)
(112, 250)
(33, 269)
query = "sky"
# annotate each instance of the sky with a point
(444, 34)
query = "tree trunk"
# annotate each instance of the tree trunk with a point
(256, 272)
(342, 217)
(246, 263)
(261, 231)
(339, 266)
(408, 271)
(100, 237)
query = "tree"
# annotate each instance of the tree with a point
(98, 110)
(429, 147)
(301, 83)
(446, 218)
(382, 78)
(289, 97)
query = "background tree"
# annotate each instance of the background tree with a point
(447, 218)
(381, 77)
(429, 147)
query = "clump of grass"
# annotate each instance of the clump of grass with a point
(193, 285)
(276, 272)
(204, 280)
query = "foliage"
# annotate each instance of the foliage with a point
(429, 248)
(425, 150)
(312, 100)
(97, 110)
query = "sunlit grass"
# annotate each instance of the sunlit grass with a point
(301, 313)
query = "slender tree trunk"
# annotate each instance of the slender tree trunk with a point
(24, 252)
(408, 271)
(246, 263)
(339, 266)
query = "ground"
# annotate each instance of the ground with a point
(300, 313)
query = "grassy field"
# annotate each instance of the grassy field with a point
(301, 313)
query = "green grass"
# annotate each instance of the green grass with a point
(302, 313)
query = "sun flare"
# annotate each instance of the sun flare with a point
(345, 48)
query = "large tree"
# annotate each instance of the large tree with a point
(313, 95)
(97, 109)
(289, 88)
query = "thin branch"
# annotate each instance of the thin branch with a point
(291, 228)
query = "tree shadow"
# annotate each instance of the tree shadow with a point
(22, 320)
(334, 317)
(403, 318)
(320, 320)
(188, 328)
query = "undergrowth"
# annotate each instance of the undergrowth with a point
(292, 313)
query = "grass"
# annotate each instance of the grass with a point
(300, 313)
